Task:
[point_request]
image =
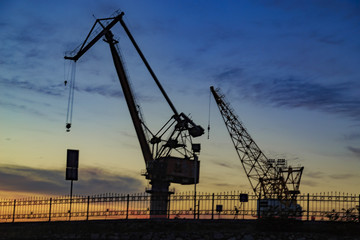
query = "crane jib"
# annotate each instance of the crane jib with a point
(106, 28)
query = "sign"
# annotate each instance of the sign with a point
(72, 160)
(244, 197)
(72, 164)
(72, 174)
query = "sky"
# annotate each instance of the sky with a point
(290, 70)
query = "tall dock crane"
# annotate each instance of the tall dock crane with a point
(273, 182)
(167, 153)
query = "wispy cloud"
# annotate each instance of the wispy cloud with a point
(228, 74)
(343, 176)
(310, 183)
(91, 181)
(236, 165)
(314, 175)
(352, 136)
(104, 90)
(20, 107)
(290, 92)
(48, 89)
(330, 39)
(355, 151)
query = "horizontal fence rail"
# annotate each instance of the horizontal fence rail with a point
(313, 207)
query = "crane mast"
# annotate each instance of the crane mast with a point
(268, 179)
(168, 160)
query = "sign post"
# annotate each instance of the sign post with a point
(72, 165)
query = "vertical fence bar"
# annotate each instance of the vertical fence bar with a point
(50, 209)
(198, 214)
(212, 207)
(168, 208)
(307, 208)
(127, 206)
(195, 203)
(14, 211)
(88, 207)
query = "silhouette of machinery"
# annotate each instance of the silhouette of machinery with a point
(170, 154)
(274, 183)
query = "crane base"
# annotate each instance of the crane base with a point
(159, 199)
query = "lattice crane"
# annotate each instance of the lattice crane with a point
(268, 178)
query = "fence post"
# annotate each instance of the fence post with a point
(14, 211)
(127, 206)
(212, 208)
(50, 210)
(307, 208)
(198, 214)
(88, 206)
(168, 208)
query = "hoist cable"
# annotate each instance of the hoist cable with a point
(73, 71)
(68, 107)
(209, 115)
(71, 96)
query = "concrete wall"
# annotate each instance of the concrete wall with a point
(180, 230)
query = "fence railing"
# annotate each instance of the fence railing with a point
(315, 207)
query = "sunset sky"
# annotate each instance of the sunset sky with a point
(290, 69)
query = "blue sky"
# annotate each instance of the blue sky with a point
(289, 68)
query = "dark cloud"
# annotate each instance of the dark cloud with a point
(331, 39)
(226, 165)
(58, 89)
(355, 151)
(340, 98)
(104, 90)
(343, 176)
(230, 186)
(229, 74)
(50, 89)
(235, 165)
(20, 107)
(91, 181)
(347, 10)
(352, 136)
(309, 183)
(314, 175)
(311, 178)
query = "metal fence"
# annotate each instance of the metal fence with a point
(314, 207)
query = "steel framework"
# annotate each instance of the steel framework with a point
(268, 178)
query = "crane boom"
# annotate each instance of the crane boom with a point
(129, 98)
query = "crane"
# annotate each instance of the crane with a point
(273, 182)
(167, 154)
